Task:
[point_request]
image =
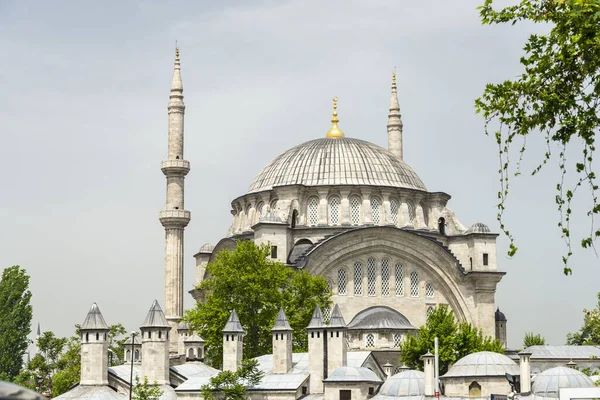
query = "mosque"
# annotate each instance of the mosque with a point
(391, 250)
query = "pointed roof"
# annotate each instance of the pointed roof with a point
(177, 85)
(316, 321)
(394, 122)
(193, 338)
(233, 324)
(155, 318)
(281, 322)
(94, 319)
(337, 320)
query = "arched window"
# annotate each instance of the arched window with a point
(397, 339)
(375, 210)
(273, 205)
(370, 340)
(313, 211)
(385, 277)
(354, 210)
(191, 353)
(429, 292)
(342, 279)
(474, 389)
(334, 211)
(442, 226)
(128, 355)
(137, 355)
(394, 211)
(399, 280)
(414, 284)
(259, 210)
(411, 212)
(429, 311)
(294, 219)
(371, 276)
(358, 276)
(199, 352)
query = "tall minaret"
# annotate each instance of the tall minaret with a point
(175, 218)
(394, 124)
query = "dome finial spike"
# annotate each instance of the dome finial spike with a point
(335, 131)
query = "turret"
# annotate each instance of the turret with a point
(282, 344)
(233, 343)
(316, 351)
(133, 353)
(394, 123)
(194, 347)
(337, 347)
(155, 345)
(183, 330)
(500, 326)
(94, 348)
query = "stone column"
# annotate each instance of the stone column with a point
(345, 207)
(323, 207)
(403, 218)
(386, 217)
(367, 217)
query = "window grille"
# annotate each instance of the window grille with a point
(342, 281)
(394, 211)
(399, 280)
(429, 311)
(370, 340)
(396, 370)
(385, 277)
(375, 214)
(397, 339)
(259, 210)
(326, 314)
(358, 275)
(429, 292)
(313, 211)
(334, 211)
(371, 276)
(414, 284)
(411, 212)
(355, 211)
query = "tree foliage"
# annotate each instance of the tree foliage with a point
(589, 334)
(228, 385)
(247, 280)
(455, 340)
(533, 339)
(143, 390)
(15, 320)
(557, 96)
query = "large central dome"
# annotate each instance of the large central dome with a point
(340, 161)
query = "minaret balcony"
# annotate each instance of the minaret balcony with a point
(175, 218)
(175, 167)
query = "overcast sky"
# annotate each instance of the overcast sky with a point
(83, 120)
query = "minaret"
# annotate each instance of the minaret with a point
(174, 217)
(155, 345)
(394, 124)
(282, 344)
(233, 343)
(94, 348)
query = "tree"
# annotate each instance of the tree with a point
(455, 340)
(557, 97)
(69, 367)
(228, 385)
(15, 320)
(46, 363)
(144, 391)
(532, 339)
(589, 334)
(248, 280)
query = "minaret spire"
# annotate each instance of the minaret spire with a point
(394, 124)
(174, 217)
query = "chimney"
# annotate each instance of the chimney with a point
(155, 345)
(337, 349)
(233, 343)
(94, 348)
(429, 370)
(282, 344)
(316, 351)
(525, 377)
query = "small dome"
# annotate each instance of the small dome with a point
(500, 315)
(379, 317)
(483, 363)
(478, 227)
(404, 384)
(183, 326)
(193, 338)
(548, 382)
(207, 248)
(352, 374)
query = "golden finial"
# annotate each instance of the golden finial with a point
(394, 77)
(335, 131)
(176, 52)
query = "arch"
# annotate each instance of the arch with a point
(191, 353)
(334, 210)
(200, 352)
(137, 355)
(474, 389)
(312, 211)
(375, 210)
(355, 213)
(294, 219)
(128, 355)
(442, 226)
(273, 204)
(342, 281)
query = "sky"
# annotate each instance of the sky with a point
(83, 126)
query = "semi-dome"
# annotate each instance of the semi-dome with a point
(379, 317)
(404, 384)
(340, 161)
(483, 363)
(550, 381)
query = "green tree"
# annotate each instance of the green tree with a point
(533, 339)
(15, 320)
(555, 97)
(46, 363)
(229, 385)
(69, 367)
(248, 280)
(455, 340)
(145, 391)
(589, 334)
